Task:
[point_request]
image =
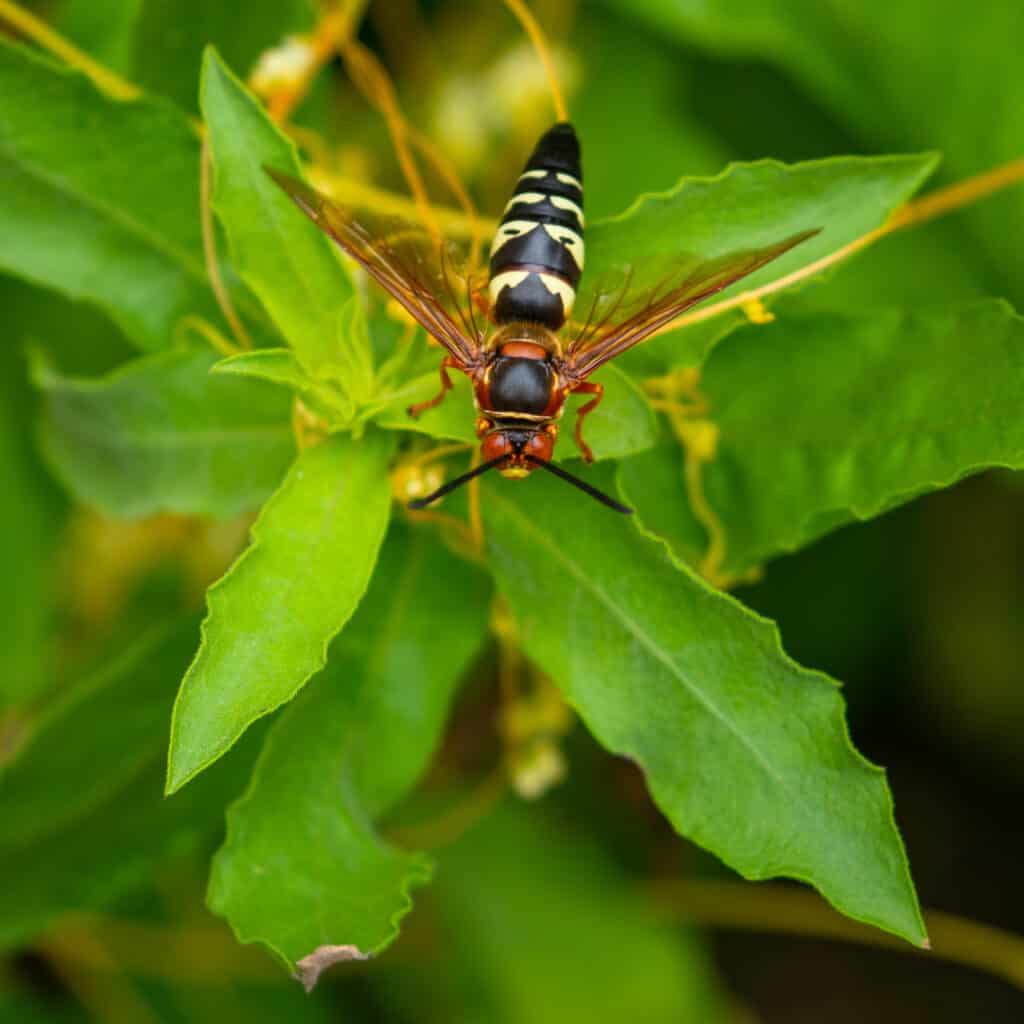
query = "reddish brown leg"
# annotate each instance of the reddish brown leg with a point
(446, 383)
(586, 388)
(482, 302)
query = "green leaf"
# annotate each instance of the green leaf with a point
(672, 137)
(540, 926)
(302, 866)
(100, 198)
(827, 419)
(621, 425)
(745, 752)
(746, 207)
(280, 366)
(272, 616)
(354, 363)
(82, 826)
(850, 58)
(170, 39)
(103, 28)
(123, 706)
(161, 434)
(31, 522)
(292, 266)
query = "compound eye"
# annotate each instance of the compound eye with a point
(495, 446)
(541, 446)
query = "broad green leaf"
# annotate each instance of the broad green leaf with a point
(744, 751)
(747, 207)
(272, 616)
(100, 198)
(621, 425)
(163, 434)
(123, 706)
(292, 267)
(673, 136)
(171, 36)
(103, 28)
(851, 58)
(82, 826)
(302, 866)
(541, 927)
(827, 419)
(280, 366)
(31, 518)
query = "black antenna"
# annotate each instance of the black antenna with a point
(581, 484)
(452, 484)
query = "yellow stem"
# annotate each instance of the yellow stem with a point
(476, 523)
(450, 176)
(714, 556)
(788, 910)
(540, 44)
(357, 193)
(928, 207)
(369, 76)
(39, 32)
(210, 250)
(205, 330)
(456, 821)
(195, 953)
(334, 28)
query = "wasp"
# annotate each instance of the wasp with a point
(522, 360)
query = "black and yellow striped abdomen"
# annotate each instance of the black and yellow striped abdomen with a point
(537, 252)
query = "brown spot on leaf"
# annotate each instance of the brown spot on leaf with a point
(309, 968)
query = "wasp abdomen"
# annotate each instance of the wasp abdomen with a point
(537, 252)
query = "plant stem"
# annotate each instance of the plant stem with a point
(787, 910)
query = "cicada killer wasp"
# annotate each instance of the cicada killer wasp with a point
(522, 362)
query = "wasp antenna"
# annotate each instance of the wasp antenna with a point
(581, 484)
(457, 482)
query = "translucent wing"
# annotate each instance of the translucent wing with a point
(621, 316)
(421, 272)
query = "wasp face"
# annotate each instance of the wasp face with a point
(519, 447)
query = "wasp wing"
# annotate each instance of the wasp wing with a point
(622, 316)
(422, 272)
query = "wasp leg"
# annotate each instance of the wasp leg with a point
(586, 388)
(446, 382)
(482, 302)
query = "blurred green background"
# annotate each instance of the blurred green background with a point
(919, 612)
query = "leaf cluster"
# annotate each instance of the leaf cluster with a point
(737, 440)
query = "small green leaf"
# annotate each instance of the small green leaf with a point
(161, 434)
(354, 365)
(302, 867)
(745, 752)
(621, 425)
(540, 926)
(746, 207)
(291, 266)
(826, 419)
(100, 198)
(272, 616)
(280, 366)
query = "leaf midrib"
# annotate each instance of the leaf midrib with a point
(131, 226)
(633, 628)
